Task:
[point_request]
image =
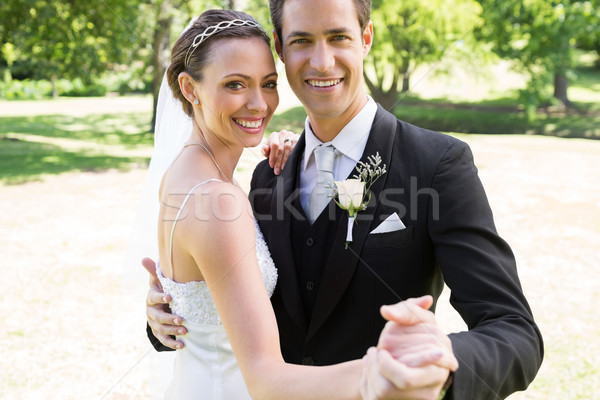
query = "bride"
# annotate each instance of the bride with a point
(213, 260)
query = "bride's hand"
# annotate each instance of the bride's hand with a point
(161, 321)
(413, 359)
(278, 148)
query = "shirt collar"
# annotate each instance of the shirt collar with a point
(351, 140)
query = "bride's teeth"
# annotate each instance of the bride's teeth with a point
(324, 83)
(249, 124)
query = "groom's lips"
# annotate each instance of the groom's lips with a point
(324, 84)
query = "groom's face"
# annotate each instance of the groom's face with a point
(323, 47)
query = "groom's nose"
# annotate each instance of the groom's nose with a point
(322, 58)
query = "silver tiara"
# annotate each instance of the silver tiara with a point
(211, 30)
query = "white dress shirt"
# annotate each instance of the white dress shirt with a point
(351, 142)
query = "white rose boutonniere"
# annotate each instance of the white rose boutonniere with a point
(353, 195)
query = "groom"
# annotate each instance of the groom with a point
(428, 222)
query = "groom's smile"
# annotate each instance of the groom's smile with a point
(324, 83)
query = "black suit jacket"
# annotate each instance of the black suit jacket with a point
(450, 236)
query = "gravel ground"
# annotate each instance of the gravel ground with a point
(71, 330)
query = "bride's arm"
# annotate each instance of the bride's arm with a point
(221, 239)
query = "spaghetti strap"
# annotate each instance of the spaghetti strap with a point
(177, 219)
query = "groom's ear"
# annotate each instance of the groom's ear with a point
(278, 46)
(367, 38)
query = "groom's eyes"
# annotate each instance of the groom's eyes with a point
(333, 38)
(299, 41)
(340, 37)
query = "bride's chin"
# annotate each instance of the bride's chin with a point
(253, 141)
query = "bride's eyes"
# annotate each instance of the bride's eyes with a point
(234, 85)
(240, 85)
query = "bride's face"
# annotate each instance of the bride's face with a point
(238, 92)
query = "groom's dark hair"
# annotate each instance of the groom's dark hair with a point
(363, 12)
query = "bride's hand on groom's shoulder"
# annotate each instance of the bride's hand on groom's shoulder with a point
(164, 325)
(278, 147)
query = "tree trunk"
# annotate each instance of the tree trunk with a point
(160, 47)
(54, 89)
(406, 82)
(561, 85)
(388, 99)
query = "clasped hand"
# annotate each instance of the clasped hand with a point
(413, 359)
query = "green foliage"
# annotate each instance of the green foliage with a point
(408, 34)
(259, 9)
(541, 35)
(40, 89)
(504, 115)
(66, 39)
(459, 118)
(588, 38)
(21, 90)
(290, 120)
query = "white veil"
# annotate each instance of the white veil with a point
(172, 129)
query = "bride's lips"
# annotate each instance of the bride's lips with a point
(251, 125)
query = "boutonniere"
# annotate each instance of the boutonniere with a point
(353, 195)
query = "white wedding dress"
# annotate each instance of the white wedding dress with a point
(206, 367)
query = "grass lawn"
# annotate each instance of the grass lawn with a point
(32, 146)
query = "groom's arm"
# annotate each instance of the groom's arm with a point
(502, 350)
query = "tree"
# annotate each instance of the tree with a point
(9, 54)
(589, 37)
(541, 36)
(68, 39)
(409, 34)
(164, 12)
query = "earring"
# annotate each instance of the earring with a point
(196, 102)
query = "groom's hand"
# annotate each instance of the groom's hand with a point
(161, 321)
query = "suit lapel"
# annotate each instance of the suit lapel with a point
(342, 262)
(280, 236)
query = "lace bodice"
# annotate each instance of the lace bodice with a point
(192, 300)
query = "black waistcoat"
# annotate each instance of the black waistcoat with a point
(311, 246)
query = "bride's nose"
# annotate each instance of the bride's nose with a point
(256, 101)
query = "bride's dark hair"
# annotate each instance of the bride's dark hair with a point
(201, 55)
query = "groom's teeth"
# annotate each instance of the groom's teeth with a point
(249, 124)
(324, 83)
